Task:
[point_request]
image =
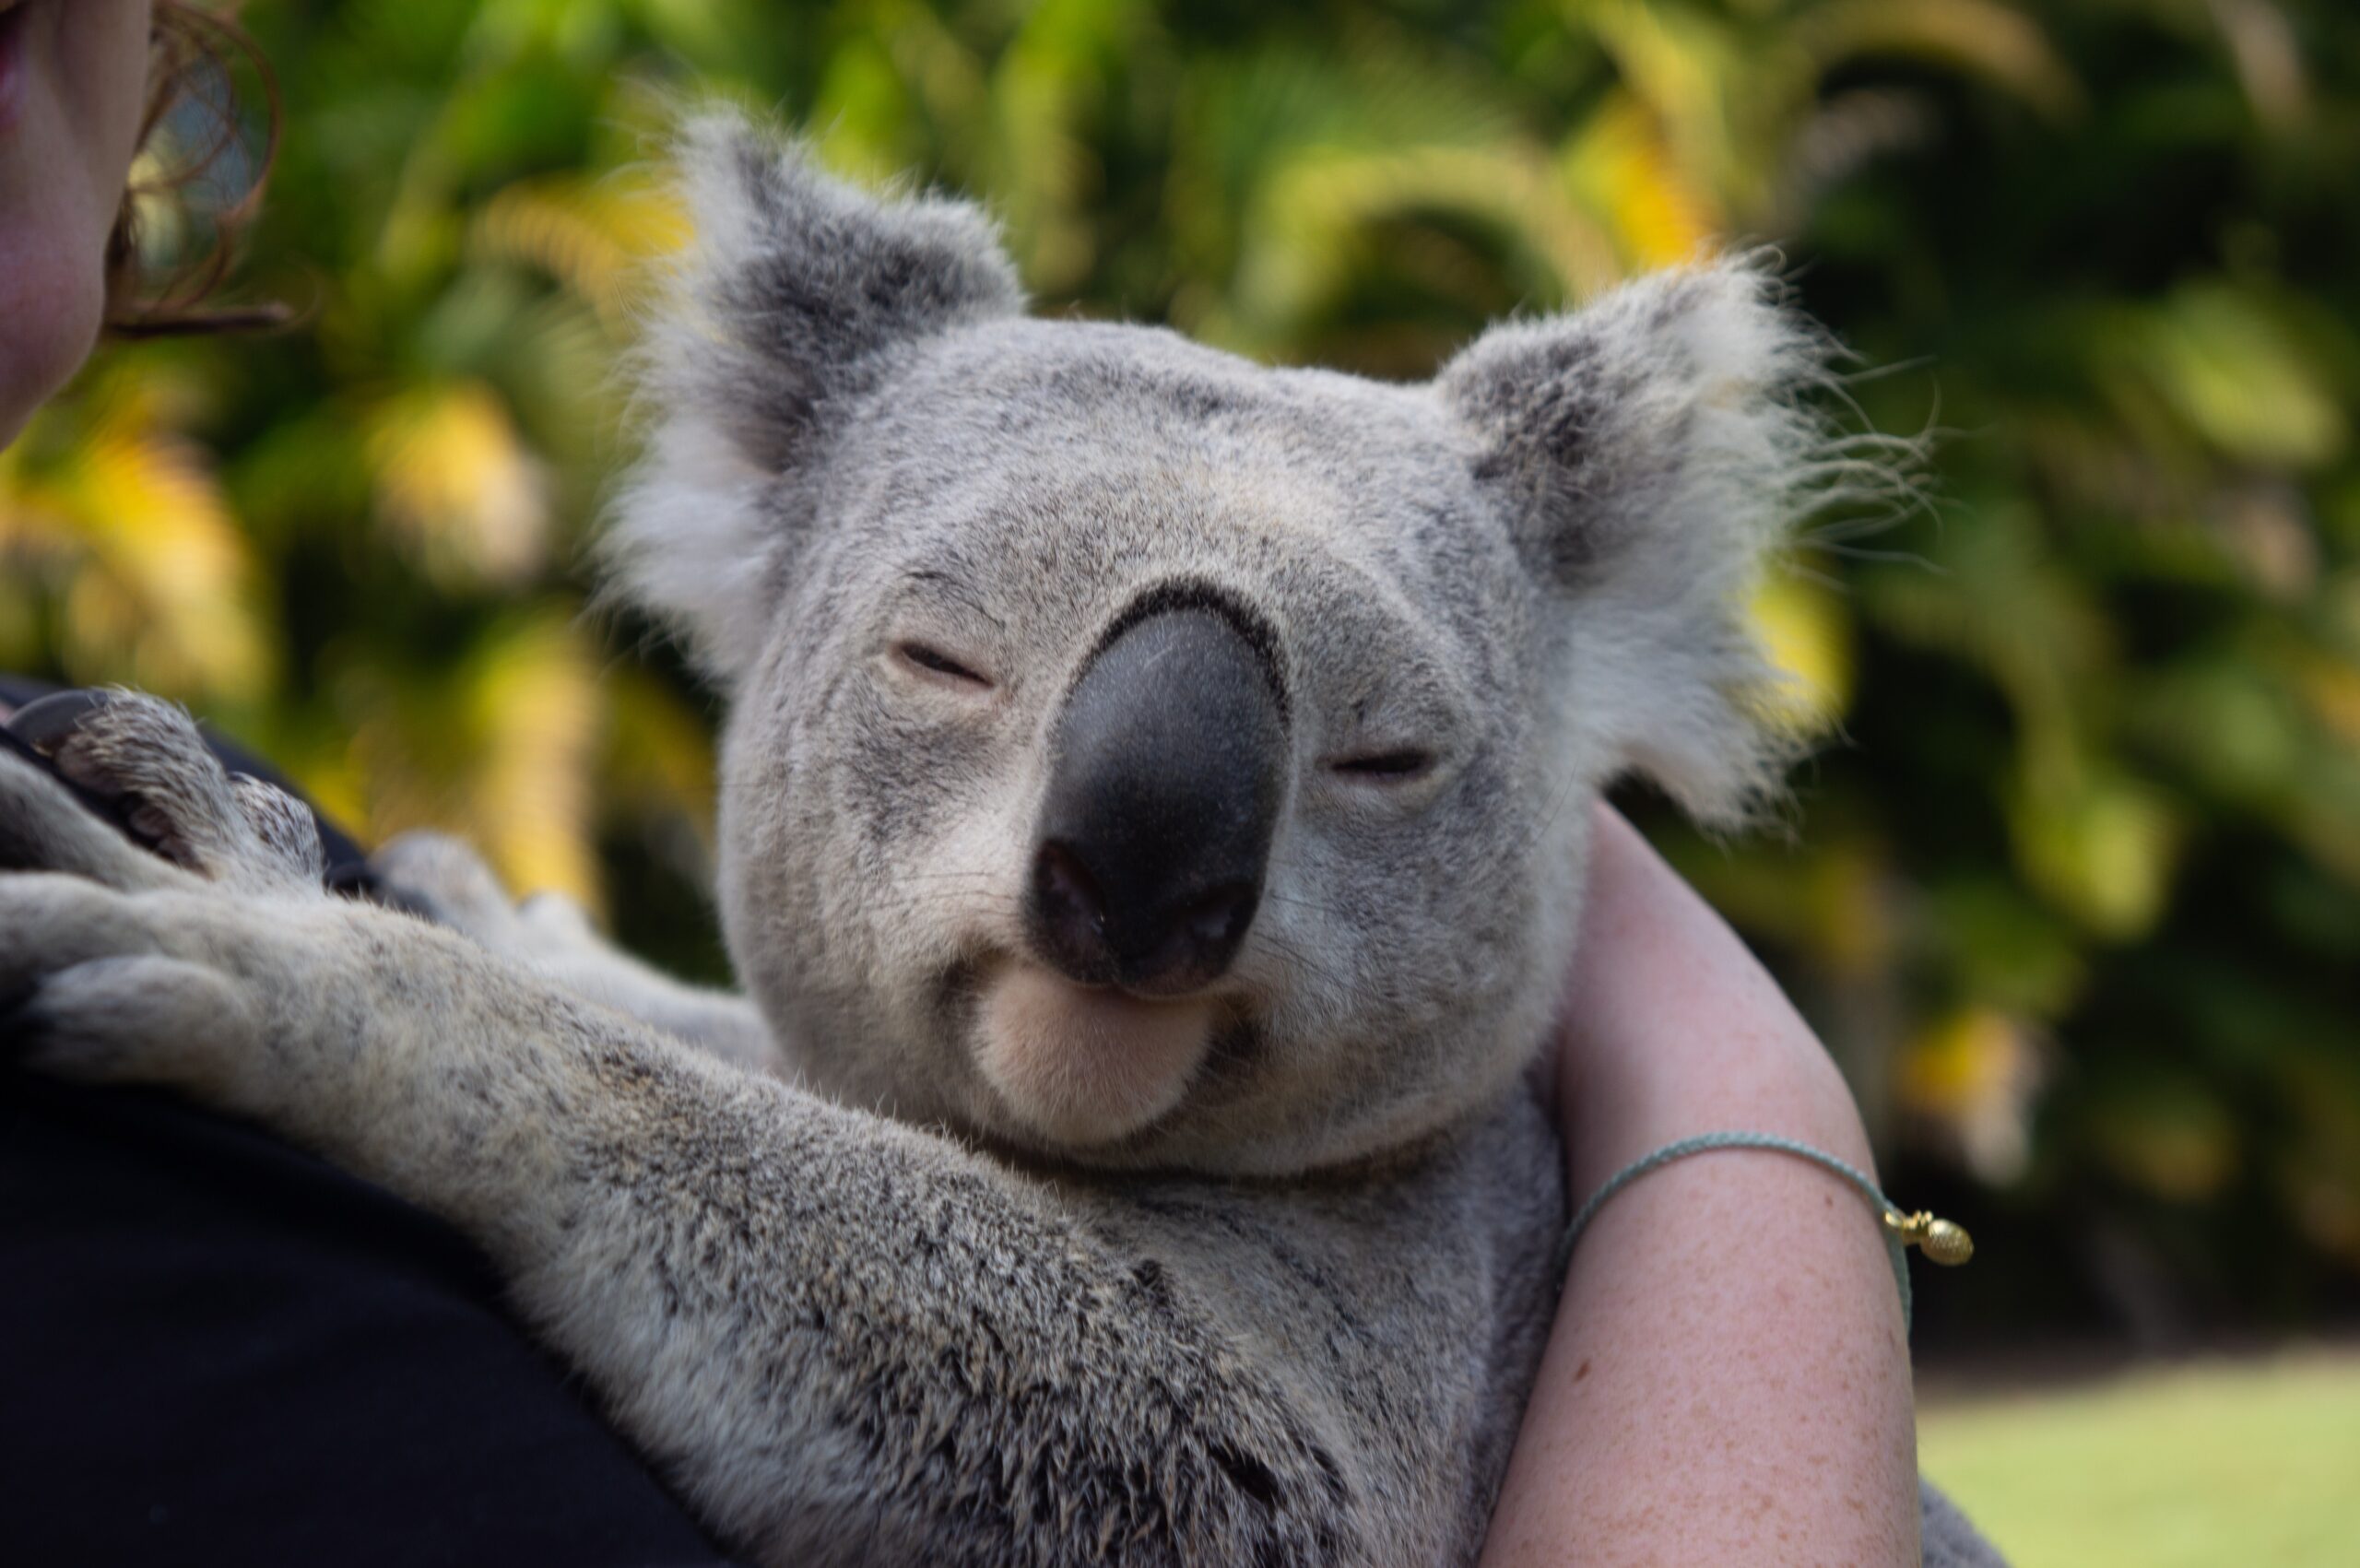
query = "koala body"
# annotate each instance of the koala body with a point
(1153, 818)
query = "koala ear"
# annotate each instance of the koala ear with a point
(791, 301)
(1650, 452)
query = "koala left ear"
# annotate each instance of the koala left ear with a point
(1650, 452)
(797, 297)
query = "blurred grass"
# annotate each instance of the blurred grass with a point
(2217, 1464)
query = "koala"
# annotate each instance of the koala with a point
(1153, 812)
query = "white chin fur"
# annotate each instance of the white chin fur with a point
(1084, 1067)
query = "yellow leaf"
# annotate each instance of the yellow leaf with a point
(502, 749)
(1806, 634)
(1973, 1073)
(1979, 37)
(1684, 66)
(1620, 169)
(456, 486)
(2103, 848)
(594, 236)
(537, 704)
(1310, 226)
(2331, 686)
(155, 582)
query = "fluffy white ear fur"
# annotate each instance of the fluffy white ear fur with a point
(1652, 450)
(790, 301)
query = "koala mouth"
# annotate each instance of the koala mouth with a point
(1085, 1065)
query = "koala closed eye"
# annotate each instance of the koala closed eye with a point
(1379, 779)
(1394, 766)
(931, 664)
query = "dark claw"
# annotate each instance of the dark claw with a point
(37, 730)
(53, 719)
(44, 723)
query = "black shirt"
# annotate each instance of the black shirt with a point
(217, 1349)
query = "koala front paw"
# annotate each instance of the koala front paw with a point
(444, 878)
(106, 987)
(141, 761)
(125, 963)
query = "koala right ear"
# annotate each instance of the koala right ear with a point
(789, 303)
(1650, 452)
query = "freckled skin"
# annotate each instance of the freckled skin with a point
(822, 1267)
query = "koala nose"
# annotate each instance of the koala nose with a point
(1167, 769)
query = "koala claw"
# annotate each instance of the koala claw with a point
(44, 827)
(146, 757)
(131, 966)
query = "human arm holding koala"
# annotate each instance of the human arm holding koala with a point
(1660, 445)
(1728, 1380)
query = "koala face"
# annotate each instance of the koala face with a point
(1147, 758)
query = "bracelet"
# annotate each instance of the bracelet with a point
(1941, 1241)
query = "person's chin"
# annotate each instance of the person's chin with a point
(50, 314)
(55, 213)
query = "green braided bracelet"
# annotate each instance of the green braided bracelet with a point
(1943, 1242)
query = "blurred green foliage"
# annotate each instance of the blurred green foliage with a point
(2074, 885)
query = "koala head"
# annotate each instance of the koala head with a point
(1145, 757)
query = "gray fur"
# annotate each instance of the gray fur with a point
(799, 297)
(855, 1303)
(551, 934)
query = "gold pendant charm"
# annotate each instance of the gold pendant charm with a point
(1941, 1241)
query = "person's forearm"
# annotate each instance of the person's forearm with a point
(1728, 1379)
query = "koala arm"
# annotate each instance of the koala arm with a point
(846, 1339)
(721, 1022)
(549, 933)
